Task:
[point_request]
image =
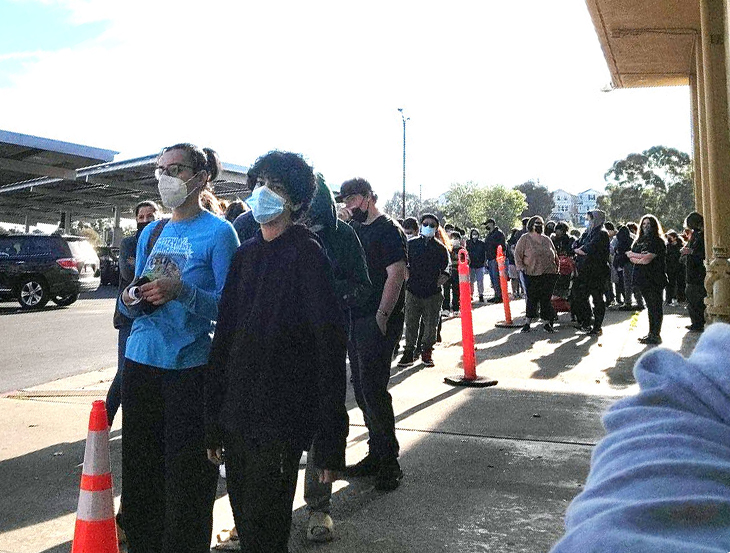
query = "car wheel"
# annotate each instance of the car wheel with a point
(33, 293)
(63, 301)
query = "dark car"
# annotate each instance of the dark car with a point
(109, 265)
(37, 268)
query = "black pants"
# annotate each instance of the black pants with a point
(169, 484)
(539, 292)
(582, 291)
(261, 477)
(696, 295)
(451, 293)
(655, 309)
(371, 355)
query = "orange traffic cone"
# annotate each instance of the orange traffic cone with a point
(96, 530)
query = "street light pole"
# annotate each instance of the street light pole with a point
(404, 160)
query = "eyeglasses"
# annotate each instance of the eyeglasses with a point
(173, 170)
(432, 225)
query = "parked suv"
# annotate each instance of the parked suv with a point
(35, 268)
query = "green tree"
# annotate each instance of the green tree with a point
(539, 199)
(394, 206)
(468, 205)
(658, 181)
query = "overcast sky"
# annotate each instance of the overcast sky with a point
(496, 92)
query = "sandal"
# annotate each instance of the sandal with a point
(227, 541)
(320, 527)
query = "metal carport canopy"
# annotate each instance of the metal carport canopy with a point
(76, 182)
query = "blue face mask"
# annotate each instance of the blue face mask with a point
(427, 231)
(265, 204)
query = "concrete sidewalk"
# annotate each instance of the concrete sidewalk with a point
(485, 469)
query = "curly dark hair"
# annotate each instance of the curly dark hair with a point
(292, 172)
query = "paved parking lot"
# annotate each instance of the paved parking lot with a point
(54, 342)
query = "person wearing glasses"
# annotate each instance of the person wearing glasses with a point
(428, 261)
(180, 270)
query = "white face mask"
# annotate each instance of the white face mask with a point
(456, 243)
(173, 190)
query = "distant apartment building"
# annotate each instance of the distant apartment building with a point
(573, 207)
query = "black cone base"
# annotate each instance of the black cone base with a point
(478, 382)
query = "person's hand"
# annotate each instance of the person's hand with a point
(327, 476)
(161, 290)
(382, 322)
(685, 251)
(215, 456)
(580, 251)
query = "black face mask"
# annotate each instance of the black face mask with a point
(538, 229)
(359, 215)
(141, 226)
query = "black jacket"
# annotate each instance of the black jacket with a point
(594, 265)
(477, 253)
(696, 271)
(428, 259)
(494, 239)
(277, 367)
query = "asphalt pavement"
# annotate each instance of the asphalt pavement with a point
(488, 469)
(41, 345)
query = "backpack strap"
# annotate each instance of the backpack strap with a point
(155, 234)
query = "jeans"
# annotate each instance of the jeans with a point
(169, 484)
(629, 287)
(539, 292)
(493, 267)
(114, 395)
(476, 274)
(261, 477)
(371, 355)
(424, 310)
(653, 298)
(696, 294)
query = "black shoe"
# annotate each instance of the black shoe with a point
(586, 328)
(549, 328)
(626, 307)
(640, 307)
(389, 476)
(595, 331)
(649, 339)
(369, 466)
(427, 358)
(525, 328)
(481, 299)
(406, 359)
(695, 328)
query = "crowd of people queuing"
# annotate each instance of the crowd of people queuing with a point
(235, 322)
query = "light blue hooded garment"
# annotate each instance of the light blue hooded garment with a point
(660, 479)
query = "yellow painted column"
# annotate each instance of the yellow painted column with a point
(714, 36)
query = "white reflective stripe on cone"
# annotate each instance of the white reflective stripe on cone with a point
(96, 454)
(464, 278)
(95, 505)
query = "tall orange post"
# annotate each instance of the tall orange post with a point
(96, 530)
(470, 377)
(501, 263)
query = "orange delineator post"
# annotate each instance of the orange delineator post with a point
(96, 530)
(467, 326)
(469, 377)
(503, 284)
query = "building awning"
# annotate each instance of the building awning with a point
(87, 187)
(647, 42)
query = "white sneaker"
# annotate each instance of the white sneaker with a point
(303, 459)
(320, 527)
